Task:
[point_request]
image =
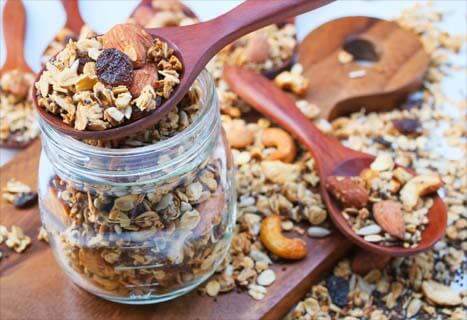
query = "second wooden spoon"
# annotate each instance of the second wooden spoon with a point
(331, 157)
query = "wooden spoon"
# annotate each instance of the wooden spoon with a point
(195, 45)
(392, 58)
(14, 30)
(332, 158)
(74, 21)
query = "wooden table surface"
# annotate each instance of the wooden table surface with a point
(32, 286)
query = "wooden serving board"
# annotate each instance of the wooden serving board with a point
(32, 285)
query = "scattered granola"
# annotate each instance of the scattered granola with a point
(19, 194)
(43, 235)
(163, 13)
(429, 285)
(101, 82)
(293, 80)
(17, 118)
(17, 240)
(385, 204)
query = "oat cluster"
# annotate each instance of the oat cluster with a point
(19, 194)
(163, 13)
(101, 82)
(17, 118)
(386, 204)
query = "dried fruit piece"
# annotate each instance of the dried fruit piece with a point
(417, 187)
(407, 126)
(338, 290)
(440, 294)
(26, 200)
(143, 77)
(388, 215)
(113, 67)
(131, 39)
(272, 238)
(350, 191)
(276, 137)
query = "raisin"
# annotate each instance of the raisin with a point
(407, 126)
(412, 104)
(338, 290)
(382, 141)
(26, 200)
(83, 58)
(114, 68)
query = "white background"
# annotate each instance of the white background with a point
(45, 18)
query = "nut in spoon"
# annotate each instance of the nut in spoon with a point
(332, 158)
(195, 45)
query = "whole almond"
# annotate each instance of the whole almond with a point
(257, 49)
(388, 215)
(131, 39)
(143, 77)
(350, 191)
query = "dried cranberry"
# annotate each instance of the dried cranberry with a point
(114, 68)
(412, 104)
(338, 290)
(407, 126)
(26, 200)
(382, 141)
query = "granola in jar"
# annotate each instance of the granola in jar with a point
(144, 218)
(102, 82)
(17, 118)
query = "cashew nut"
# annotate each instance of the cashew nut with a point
(276, 137)
(238, 134)
(417, 187)
(272, 238)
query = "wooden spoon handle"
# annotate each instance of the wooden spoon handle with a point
(269, 100)
(252, 15)
(14, 28)
(74, 21)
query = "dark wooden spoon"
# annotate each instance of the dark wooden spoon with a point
(332, 158)
(195, 45)
(14, 30)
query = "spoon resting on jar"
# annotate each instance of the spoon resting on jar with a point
(339, 167)
(193, 47)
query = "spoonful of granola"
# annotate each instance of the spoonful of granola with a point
(119, 83)
(379, 205)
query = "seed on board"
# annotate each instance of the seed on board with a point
(318, 232)
(266, 278)
(369, 230)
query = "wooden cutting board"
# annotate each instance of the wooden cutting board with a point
(32, 285)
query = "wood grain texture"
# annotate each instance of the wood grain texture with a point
(331, 157)
(32, 285)
(400, 63)
(195, 45)
(74, 21)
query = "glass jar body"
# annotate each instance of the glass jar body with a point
(142, 225)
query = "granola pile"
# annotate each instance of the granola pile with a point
(164, 13)
(101, 82)
(17, 117)
(358, 288)
(429, 285)
(19, 194)
(385, 204)
(61, 39)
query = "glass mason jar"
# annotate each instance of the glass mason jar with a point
(141, 225)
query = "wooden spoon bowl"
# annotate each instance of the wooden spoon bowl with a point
(195, 45)
(331, 157)
(14, 31)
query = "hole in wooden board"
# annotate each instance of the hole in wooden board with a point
(363, 51)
